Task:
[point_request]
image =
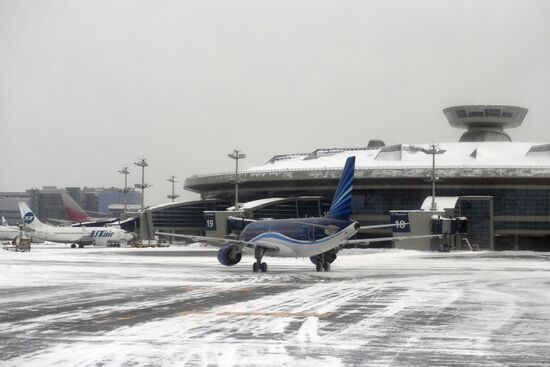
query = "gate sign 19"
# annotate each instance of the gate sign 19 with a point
(401, 221)
(210, 221)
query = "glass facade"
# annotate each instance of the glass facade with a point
(523, 226)
(293, 209)
(520, 217)
(514, 217)
(504, 217)
(381, 201)
(187, 215)
(479, 211)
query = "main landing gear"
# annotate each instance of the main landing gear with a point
(259, 265)
(323, 261)
(322, 266)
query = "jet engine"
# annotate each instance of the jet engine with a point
(229, 255)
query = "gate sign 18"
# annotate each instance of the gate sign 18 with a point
(401, 221)
(210, 221)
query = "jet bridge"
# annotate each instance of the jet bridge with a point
(450, 220)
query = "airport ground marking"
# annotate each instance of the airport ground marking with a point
(256, 314)
(124, 318)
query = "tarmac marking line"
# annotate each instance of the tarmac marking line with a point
(191, 289)
(256, 313)
(122, 318)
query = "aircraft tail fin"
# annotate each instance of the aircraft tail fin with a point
(4, 221)
(73, 211)
(341, 203)
(29, 218)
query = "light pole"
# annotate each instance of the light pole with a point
(142, 163)
(434, 149)
(125, 172)
(173, 180)
(236, 155)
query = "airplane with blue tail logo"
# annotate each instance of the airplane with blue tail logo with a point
(316, 238)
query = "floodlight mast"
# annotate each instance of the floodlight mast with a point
(434, 149)
(142, 163)
(173, 180)
(125, 172)
(236, 155)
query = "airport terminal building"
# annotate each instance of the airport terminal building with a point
(503, 186)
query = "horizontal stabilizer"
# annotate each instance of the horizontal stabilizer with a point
(377, 226)
(367, 241)
(220, 242)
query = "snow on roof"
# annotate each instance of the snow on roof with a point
(464, 154)
(124, 206)
(178, 203)
(256, 203)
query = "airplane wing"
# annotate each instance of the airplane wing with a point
(220, 242)
(96, 223)
(58, 222)
(68, 223)
(367, 241)
(363, 228)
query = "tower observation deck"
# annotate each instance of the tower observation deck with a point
(485, 122)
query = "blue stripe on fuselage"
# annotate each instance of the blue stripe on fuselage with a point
(289, 240)
(296, 231)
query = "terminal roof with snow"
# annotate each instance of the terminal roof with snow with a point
(509, 180)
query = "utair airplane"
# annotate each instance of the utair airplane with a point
(81, 236)
(316, 238)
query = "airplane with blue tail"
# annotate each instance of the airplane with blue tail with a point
(316, 238)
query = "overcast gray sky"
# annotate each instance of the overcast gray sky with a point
(87, 87)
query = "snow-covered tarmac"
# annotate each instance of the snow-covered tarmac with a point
(178, 306)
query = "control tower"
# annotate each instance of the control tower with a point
(485, 122)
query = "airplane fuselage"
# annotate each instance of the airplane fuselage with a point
(8, 233)
(304, 237)
(99, 235)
